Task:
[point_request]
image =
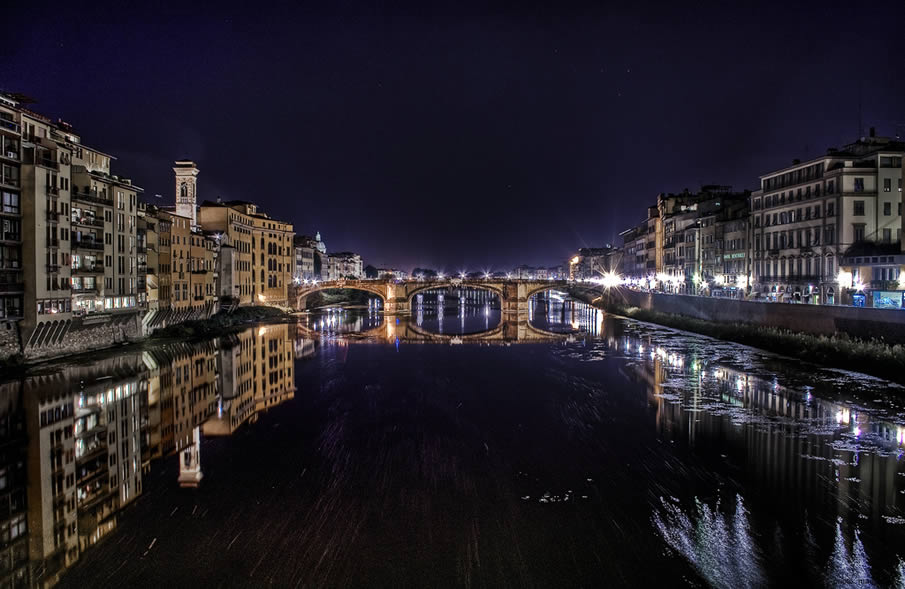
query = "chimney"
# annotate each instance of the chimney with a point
(796, 161)
(873, 132)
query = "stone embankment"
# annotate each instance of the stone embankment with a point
(58, 339)
(856, 322)
(862, 340)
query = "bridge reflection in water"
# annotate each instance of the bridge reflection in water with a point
(681, 448)
(441, 318)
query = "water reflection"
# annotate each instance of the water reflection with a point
(557, 313)
(456, 311)
(824, 460)
(78, 440)
(670, 454)
(340, 321)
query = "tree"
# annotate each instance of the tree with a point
(424, 273)
(371, 272)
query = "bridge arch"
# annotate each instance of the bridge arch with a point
(564, 287)
(491, 287)
(375, 288)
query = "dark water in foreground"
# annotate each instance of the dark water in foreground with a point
(621, 454)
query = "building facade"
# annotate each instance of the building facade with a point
(807, 216)
(263, 249)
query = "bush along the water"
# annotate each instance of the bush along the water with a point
(221, 323)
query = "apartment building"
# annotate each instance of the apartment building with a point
(307, 258)
(263, 249)
(187, 260)
(68, 239)
(590, 262)
(12, 287)
(341, 265)
(805, 218)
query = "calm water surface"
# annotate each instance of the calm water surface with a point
(453, 448)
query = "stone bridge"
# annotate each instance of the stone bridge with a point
(397, 296)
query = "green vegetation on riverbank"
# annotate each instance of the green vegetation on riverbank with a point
(336, 296)
(220, 324)
(875, 357)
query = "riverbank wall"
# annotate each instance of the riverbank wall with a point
(77, 335)
(856, 322)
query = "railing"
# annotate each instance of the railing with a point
(199, 271)
(88, 244)
(53, 216)
(53, 191)
(9, 181)
(52, 268)
(93, 198)
(10, 237)
(10, 125)
(12, 287)
(884, 284)
(47, 163)
(141, 249)
(96, 269)
(88, 221)
(84, 289)
(199, 297)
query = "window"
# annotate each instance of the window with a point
(859, 208)
(887, 184)
(859, 184)
(887, 209)
(829, 235)
(858, 232)
(830, 187)
(887, 235)
(10, 202)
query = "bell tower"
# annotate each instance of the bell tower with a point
(186, 189)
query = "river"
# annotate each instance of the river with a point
(452, 448)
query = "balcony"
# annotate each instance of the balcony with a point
(9, 181)
(10, 237)
(93, 197)
(84, 290)
(89, 244)
(884, 285)
(12, 287)
(52, 268)
(141, 249)
(8, 125)
(199, 297)
(47, 163)
(199, 271)
(87, 221)
(53, 216)
(88, 269)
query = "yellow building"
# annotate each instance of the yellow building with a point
(186, 258)
(263, 246)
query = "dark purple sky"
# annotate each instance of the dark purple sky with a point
(460, 138)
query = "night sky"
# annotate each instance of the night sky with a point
(460, 138)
